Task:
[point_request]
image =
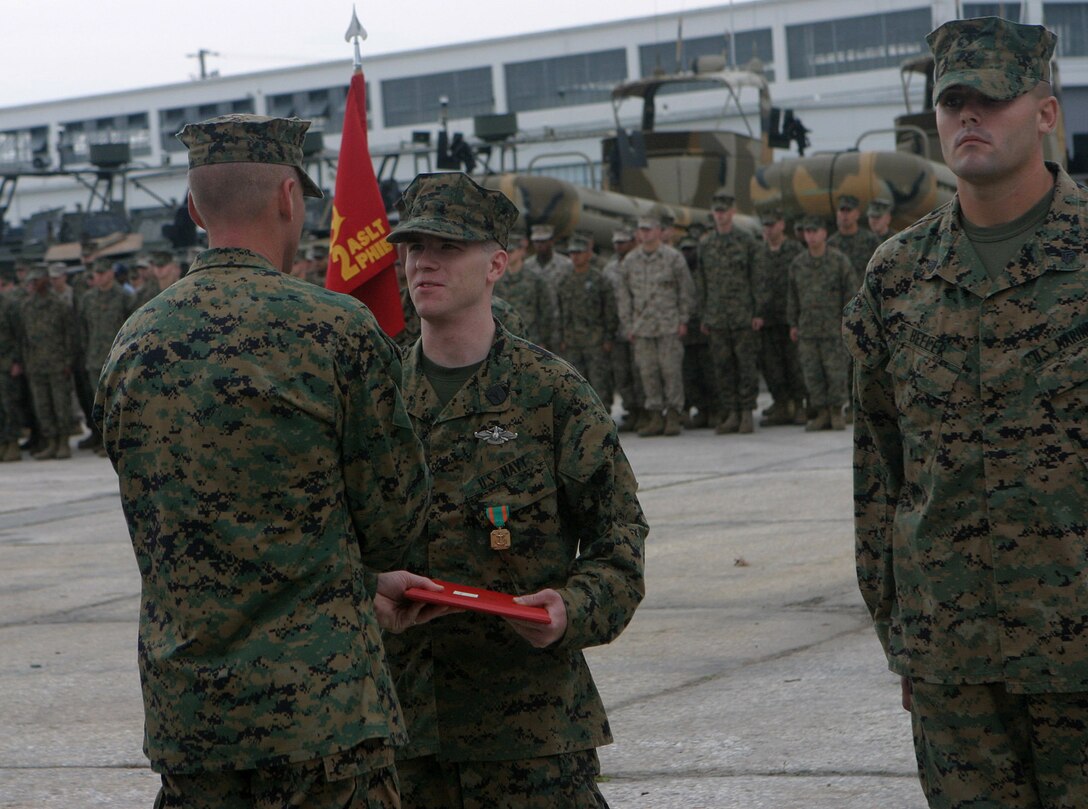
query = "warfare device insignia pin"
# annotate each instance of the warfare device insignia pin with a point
(495, 435)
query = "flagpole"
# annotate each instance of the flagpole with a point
(360, 258)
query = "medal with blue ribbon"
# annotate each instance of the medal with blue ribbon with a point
(500, 537)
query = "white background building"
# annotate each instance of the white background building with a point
(838, 71)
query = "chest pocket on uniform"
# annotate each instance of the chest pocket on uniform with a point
(923, 397)
(1063, 387)
(527, 487)
(921, 379)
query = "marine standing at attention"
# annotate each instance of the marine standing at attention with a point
(725, 290)
(654, 297)
(819, 285)
(47, 342)
(970, 335)
(779, 361)
(533, 496)
(264, 454)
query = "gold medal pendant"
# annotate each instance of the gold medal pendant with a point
(500, 540)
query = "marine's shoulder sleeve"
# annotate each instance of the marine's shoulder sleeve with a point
(599, 508)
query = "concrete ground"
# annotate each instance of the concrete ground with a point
(749, 677)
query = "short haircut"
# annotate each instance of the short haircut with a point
(236, 192)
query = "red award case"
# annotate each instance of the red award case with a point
(478, 600)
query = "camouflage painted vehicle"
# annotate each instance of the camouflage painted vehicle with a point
(678, 170)
(667, 172)
(569, 207)
(914, 177)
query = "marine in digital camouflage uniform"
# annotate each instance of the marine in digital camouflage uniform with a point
(47, 344)
(879, 215)
(527, 291)
(625, 378)
(779, 360)
(103, 309)
(820, 283)
(857, 243)
(970, 337)
(587, 319)
(504, 713)
(146, 285)
(655, 296)
(264, 457)
(11, 415)
(28, 419)
(548, 265)
(725, 291)
(700, 391)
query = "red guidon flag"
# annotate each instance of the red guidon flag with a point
(360, 259)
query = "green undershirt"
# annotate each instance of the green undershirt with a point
(997, 246)
(447, 381)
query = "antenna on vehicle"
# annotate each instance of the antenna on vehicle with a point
(732, 37)
(679, 45)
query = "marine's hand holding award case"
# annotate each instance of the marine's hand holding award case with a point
(478, 600)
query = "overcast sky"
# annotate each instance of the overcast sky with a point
(64, 48)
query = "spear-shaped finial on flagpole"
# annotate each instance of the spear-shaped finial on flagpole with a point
(354, 33)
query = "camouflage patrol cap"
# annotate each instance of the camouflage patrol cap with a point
(577, 244)
(101, 265)
(1000, 59)
(649, 221)
(37, 272)
(812, 222)
(58, 269)
(622, 235)
(879, 206)
(451, 206)
(160, 258)
(770, 215)
(541, 233)
(244, 138)
(722, 200)
(848, 202)
(663, 215)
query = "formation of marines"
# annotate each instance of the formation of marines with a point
(677, 327)
(57, 323)
(729, 287)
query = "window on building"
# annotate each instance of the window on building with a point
(856, 43)
(418, 99)
(22, 149)
(171, 121)
(1009, 11)
(564, 81)
(665, 57)
(1070, 22)
(325, 108)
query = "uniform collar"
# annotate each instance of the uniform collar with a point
(1056, 245)
(232, 256)
(487, 391)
